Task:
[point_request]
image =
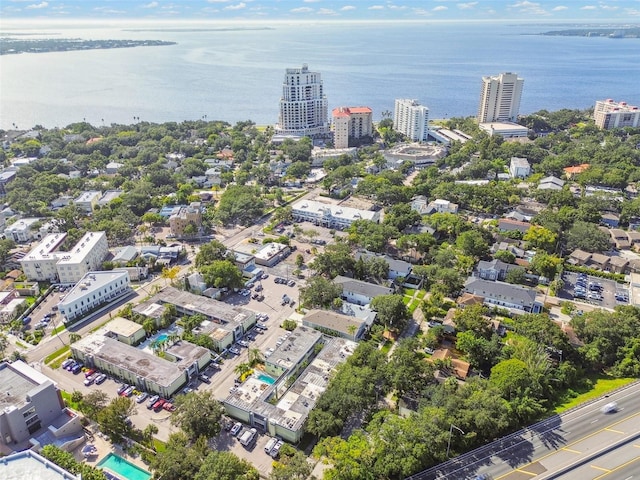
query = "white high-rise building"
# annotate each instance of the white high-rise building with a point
(303, 105)
(609, 114)
(500, 98)
(411, 119)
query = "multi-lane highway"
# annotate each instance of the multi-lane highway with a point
(584, 443)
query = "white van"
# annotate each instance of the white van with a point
(270, 444)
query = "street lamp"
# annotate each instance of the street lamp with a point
(450, 434)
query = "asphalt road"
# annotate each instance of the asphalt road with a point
(559, 447)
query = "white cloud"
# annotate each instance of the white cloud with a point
(326, 11)
(467, 6)
(238, 6)
(311, 1)
(218, 1)
(35, 6)
(608, 7)
(301, 10)
(396, 7)
(530, 8)
(346, 8)
(151, 5)
(559, 8)
(376, 7)
(440, 8)
(634, 12)
(588, 7)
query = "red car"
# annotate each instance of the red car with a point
(89, 372)
(169, 407)
(158, 405)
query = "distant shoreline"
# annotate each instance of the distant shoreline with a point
(633, 32)
(15, 46)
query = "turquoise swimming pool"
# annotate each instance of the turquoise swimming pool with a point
(266, 379)
(123, 468)
(162, 338)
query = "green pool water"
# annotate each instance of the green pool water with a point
(123, 468)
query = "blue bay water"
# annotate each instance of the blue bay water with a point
(235, 75)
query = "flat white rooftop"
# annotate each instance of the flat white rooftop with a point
(87, 243)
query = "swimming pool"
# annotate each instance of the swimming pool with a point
(266, 379)
(162, 338)
(123, 468)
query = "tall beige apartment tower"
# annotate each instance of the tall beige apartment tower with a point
(303, 104)
(500, 98)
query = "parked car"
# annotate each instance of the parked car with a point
(258, 288)
(270, 444)
(128, 392)
(152, 401)
(235, 430)
(169, 407)
(26, 320)
(142, 397)
(264, 276)
(269, 352)
(204, 378)
(100, 379)
(275, 451)
(70, 365)
(88, 381)
(158, 405)
(77, 368)
(89, 372)
(67, 362)
(291, 283)
(243, 343)
(122, 388)
(234, 350)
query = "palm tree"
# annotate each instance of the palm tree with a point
(172, 338)
(74, 337)
(242, 368)
(255, 357)
(148, 326)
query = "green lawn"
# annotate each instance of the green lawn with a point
(58, 329)
(66, 396)
(601, 385)
(58, 353)
(386, 347)
(406, 300)
(409, 292)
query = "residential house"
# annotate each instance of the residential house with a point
(22, 230)
(420, 204)
(6, 177)
(551, 183)
(397, 268)
(519, 167)
(634, 239)
(359, 292)
(516, 298)
(576, 170)
(506, 225)
(494, 270)
(618, 264)
(579, 257)
(113, 167)
(442, 206)
(460, 368)
(611, 220)
(620, 238)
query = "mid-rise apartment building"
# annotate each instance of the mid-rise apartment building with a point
(46, 263)
(303, 104)
(351, 123)
(500, 98)
(609, 114)
(185, 216)
(411, 119)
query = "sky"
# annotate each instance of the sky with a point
(591, 11)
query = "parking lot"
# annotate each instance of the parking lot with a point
(597, 291)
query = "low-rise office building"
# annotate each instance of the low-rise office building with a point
(516, 298)
(139, 366)
(31, 405)
(218, 315)
(281, 410)
(271, 253)
(93, 291)
(505, 129)
(335, 324)
(330, 216)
